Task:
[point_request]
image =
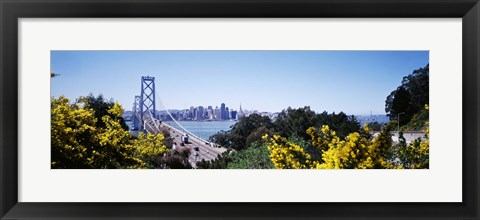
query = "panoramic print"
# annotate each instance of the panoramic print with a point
(239, 109)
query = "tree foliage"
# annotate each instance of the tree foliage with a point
(288, 155)
(341, 122)
(221, 162)
(289, 123)
(78, 140)
(101, 108)
(356, 151)
(150, 149)
(418, 121)
(375, 126)
(414, 155)
(177, 159)
(255, 138)
(410, 97)
(253, 157)
(236, 138)
(295, 122)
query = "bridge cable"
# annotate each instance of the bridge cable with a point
(173, 119)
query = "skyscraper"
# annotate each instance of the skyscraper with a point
(227, 113)
(222, 111)
(218, 114)
(191, 114)
(233, 115)
(210, 114)
(200, 113)
(240, 111)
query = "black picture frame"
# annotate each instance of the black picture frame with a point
(12, 10)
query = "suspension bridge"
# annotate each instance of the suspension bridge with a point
(145, 119)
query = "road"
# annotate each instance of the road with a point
(206, 150)
(408, 135)
(200, 149)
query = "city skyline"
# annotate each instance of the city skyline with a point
(200, 113)
(355, 82)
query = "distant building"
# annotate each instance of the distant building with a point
(233, 115)
(179, 116)
(240, 111)
(191, 114)
(165, 117)
(218, 114)
(186, 114)
(200, 113)
(210, 115)
(227, 113)
(222, 111)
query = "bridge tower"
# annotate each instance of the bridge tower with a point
(136, 111)
(147, 97)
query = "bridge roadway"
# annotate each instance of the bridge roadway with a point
(207, 150)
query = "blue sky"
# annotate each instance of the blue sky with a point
(355, 82)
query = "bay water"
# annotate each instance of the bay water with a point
(203, 129)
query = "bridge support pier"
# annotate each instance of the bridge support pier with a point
(136, 111)
(147, 96)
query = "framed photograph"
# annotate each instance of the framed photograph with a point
(252, 110)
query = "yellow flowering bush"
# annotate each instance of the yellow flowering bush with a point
(416, 154)
(77, 140)
(149, 147)
(345, 153)
(356, 151)
(287, 155)
(72, 130)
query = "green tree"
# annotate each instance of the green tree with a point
(254, 157)
(150, 149)
(410, 97)
(255, 138)
(353, 152)
(418, 121)
(416, 154)
(236, 138)
(77, 141)
(295, 122)
(341, 122)
(72, 131)
(177, 159)
(221, 162)
(101, 107)
(375, 126)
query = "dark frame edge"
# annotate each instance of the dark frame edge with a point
(471, 93)
(8, 111)
(11, 209)
(241, 8)
(3, 208)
